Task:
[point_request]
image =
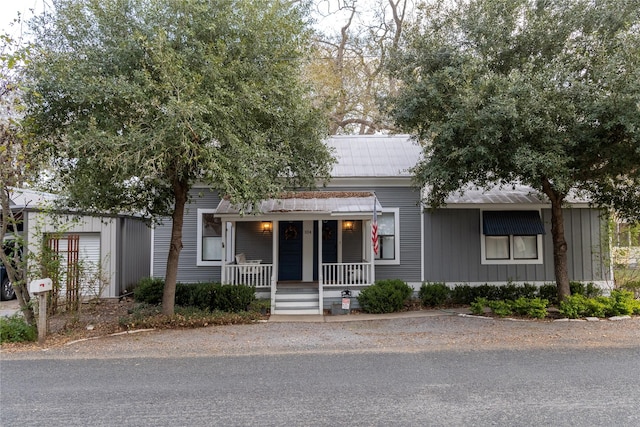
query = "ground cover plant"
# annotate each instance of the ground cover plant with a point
(15, 329)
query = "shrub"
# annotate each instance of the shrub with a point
(621, 303)
(232, 298)
(500, 308)
(530, 307)
(15, 329)
(478, 305)
(384, 296)
(149, 290)
(434, 294)
(549, 292)
(574, 306)
(589, 290)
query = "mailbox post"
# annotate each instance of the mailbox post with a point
(40, 287)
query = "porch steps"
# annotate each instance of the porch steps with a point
(296, 300)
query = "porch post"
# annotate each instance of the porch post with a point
(320, 276)
(373, 255)
(223, 258)
(275, 232)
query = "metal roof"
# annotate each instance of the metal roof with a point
(506, 195)
(374, 155)
(327, 202)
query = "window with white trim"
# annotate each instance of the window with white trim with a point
(388, 237)
(511, 237)
(209, 250)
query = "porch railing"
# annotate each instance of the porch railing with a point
(347, 273)
(258, 275)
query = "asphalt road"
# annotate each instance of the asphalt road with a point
(569, 387)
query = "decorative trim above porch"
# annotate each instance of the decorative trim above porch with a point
(333, 203)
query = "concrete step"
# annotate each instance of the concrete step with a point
(296, 311)
(297, 304)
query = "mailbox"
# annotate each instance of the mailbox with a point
(40, 285)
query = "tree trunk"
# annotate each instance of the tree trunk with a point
(559, 242)
(180, 192)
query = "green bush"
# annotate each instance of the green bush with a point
(574, 306)
(500, 308)
(203, 296)
(549, 292)
(232, 298)
(589, 290)
(384, 296)
(149, 290)
(477, 306)
(434, 294)
(15, 329)
(620, 303)
(530, 307)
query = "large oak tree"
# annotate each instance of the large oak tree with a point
(540, 92)
(137, 100)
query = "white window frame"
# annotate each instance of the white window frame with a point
(199, 261)
(511, 260)
(396, 217)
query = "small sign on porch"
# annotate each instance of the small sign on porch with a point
(346, 303)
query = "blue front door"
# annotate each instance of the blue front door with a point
(290, 251)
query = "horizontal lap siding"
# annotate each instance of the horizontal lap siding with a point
(452, 249)
(253, 242)
(188, 271)
(406, 199)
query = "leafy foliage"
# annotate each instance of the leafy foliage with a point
(434, 294)
(15, 329)
(203, 296)
(530, 307)
(620, 303)
(539, 93)
(384, 296)
(135, 101)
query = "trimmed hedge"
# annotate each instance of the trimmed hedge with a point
(204, 296)
(385, 296)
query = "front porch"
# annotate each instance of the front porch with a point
(298, 257)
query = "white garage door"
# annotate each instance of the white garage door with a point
(89, 262)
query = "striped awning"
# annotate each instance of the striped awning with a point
(519, 223)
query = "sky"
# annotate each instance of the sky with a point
(10, 8)
(9, 11)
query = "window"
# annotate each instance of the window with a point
(388, 237)
(511, 237)
(209, 238)
(627, 235)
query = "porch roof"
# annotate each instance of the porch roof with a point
(337, 203)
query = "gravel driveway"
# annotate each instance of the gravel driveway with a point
(432, 331)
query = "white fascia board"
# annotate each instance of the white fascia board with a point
(370, 182)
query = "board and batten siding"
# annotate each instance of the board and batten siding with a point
(134, 241)
(188, 270)
(452, 249)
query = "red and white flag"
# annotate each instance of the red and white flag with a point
(374, 228)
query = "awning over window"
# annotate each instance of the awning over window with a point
(519, 223)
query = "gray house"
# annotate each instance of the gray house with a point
(304, 248)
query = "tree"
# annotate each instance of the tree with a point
(15, 170)
(138, 100)
(347, 68)
(544, 93)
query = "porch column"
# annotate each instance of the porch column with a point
(320, 276)
(223, 257)
(372, 255)
(275, 232)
